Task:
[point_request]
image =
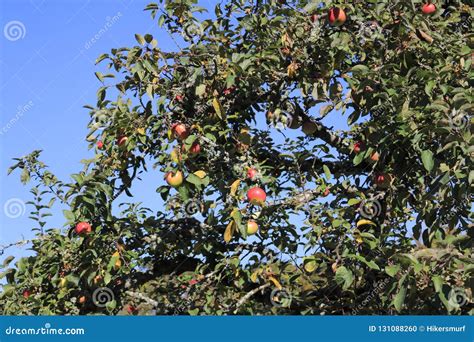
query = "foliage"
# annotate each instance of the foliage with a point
(330, 230)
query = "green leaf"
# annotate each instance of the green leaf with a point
(354, 201)
(392, 270)
(193, 312)
(139, 39)
(200, 90)
(7, 261)
(327, 172)
(344, 277)
(427, 159)
(399, 299)
(69, 215)
(438, 283)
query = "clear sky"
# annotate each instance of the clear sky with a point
(47, 54)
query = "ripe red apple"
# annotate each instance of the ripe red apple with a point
(131, 309)
(26, 294)
(179, 98)
(195, 149)
(383, 180)
(375, 156)
(193, 282)
(358, 147)
(82, 299)
(180, 131)
(314, 18)
(122, 140)
(428, 8)
(251, 173)
(336, 16)
(326, 192)
(252, 227)
(256, 195)
(309, 127)
(83, 228)
(100, 145)
(174, 179)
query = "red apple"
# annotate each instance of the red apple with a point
(131, 309)
(179, 98)
(100, 145)
(26, 294)
(180, 131)
(309, 127)
(83, 228)
(252, 227)
(428, 8)
(326, 192)
(314, 18)
(251, 173)
(336, 16)
(82, 299)
(174, 179)
(375, 156)
(383, 180)
(193, 282)
(256, 196)
(122, 140)
(358, 147)
(195, 149)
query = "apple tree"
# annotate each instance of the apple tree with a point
(316, 157)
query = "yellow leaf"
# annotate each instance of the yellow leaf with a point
(364, 222)
(217, 107)
(275, 282)
(254, 276)
(229, 231)
(200, 173)
(310, 266)
(234, 187)
(141, 131)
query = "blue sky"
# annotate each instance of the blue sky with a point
(47, 54)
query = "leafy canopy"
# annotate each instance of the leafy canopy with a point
(371, 217)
